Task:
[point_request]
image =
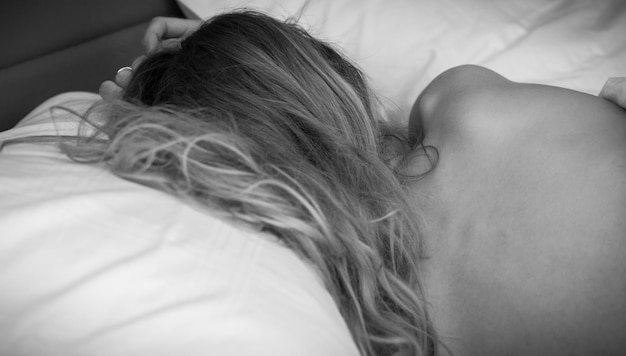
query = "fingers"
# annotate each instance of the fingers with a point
(614, 90)
(122, 78)
(109, 91)
(169, 43)
(163, 28)
(137, 62)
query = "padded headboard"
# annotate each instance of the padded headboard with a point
(50, 47)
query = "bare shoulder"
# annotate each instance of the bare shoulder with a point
(532, 181)
(474, 103)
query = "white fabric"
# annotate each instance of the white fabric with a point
(404, 44)
(91, 265)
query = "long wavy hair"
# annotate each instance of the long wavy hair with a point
(260, 122)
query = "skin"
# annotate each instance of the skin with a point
(525, 216)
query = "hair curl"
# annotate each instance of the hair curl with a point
(257, 120)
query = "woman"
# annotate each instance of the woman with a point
(523, 213)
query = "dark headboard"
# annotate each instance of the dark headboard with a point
(50, 47)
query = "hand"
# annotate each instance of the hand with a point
(614, 90)
(163, 32)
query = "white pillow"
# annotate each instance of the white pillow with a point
(91, 264)
(403, 44)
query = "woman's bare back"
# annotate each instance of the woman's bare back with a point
(525, 216)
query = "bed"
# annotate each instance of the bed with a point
(94, 265)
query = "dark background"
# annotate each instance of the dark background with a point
(49, 47)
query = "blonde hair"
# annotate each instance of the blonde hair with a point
(258, 121)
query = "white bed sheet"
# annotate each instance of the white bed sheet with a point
(93, 265)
